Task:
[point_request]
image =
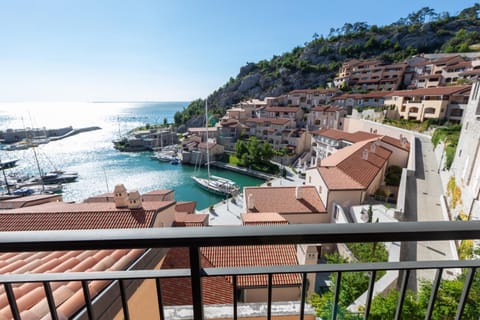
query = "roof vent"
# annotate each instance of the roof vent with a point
(365, 154)
(250, 202)
(134, 200)
(120, 196)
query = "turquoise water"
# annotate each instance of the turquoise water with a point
(91, 154)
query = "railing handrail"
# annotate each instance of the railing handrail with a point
(238, 271)
(236, 235)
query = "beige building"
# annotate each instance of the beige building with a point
(349, 175)
(326, 117)
(430, 103)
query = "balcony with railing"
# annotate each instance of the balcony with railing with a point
(194, 239)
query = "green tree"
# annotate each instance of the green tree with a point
(384, 307)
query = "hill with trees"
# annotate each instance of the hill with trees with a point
(317, 62)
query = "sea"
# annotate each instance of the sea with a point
(92, 156)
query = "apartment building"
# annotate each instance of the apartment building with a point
(442, 70)
(229, 130)
(307, 98)
(281, 133)
(370, 75)
(330, 117)
(349, 175)
(293, 113)
(465, 169)
(430, 103)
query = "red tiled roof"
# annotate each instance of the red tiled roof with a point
(20, 202)
(72, 216)
(283, 200)
(178, 291)
(437, 91)
(343, 135)
(263, 218)
(396, 143)
(350, 162)
(188, 207)
(203, 145)
(68, 295)
(190, 219)
(260, 255)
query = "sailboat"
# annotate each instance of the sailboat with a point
(215, 184)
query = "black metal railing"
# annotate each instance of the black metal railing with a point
(196, 238)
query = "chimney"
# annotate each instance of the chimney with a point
(250, 202)
(298, 193)
(120, 196)
(373, 146)
(365, 154)
(403, 141)
(134, 200)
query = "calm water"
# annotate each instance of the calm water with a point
(99, 165)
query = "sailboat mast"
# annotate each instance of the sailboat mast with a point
(206, 135)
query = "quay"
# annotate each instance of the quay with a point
(17, 139)
(245, 171)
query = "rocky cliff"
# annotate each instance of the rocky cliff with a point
(316, 63)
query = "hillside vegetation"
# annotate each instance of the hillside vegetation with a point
(317, 62)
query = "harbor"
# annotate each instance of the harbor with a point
(100, 167)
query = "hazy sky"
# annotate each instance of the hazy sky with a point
(84, 50)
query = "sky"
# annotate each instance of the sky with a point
(159, 50)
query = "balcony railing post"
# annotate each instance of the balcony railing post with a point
(466, 290)
(195, 268)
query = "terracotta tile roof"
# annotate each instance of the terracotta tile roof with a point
(188, 207)
(349, 96)
(375, 94)
(28, 201)
(282, 109)
(351, 162)
(263, 218)
(396, 143)
(260, 255)
(68, 296)
(336, 179)
(430, 91)
(178, 291)
(343, 135)
(281, 121)
(183, 219)
(320, 108)
(72, 216)
(283, 200)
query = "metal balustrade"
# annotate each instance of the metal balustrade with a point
(194, 238)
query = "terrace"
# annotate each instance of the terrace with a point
(205, 237)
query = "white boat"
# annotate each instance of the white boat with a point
(164, 156)
(215, 184)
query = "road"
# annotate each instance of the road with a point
(423, 204)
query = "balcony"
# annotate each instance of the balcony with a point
(194, 238)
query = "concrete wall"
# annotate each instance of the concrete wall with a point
(306, 218)
(344, 198)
